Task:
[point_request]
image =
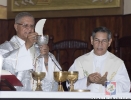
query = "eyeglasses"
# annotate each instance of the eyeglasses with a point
(104, 41)
(26, 25)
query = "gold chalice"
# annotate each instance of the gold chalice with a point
(60, 76)
(72, 78)
(38, 76)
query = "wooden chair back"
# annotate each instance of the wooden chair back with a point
(123, 50)
(66, 51)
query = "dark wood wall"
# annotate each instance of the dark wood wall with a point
(75, 27)
(81, 27)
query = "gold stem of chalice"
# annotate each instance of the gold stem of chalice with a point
(71, 85)
(38, 88)
(60, 87)
(72, 78)
(38, 76)
(60, 76)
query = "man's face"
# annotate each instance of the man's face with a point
(24, 27)
(100, 43)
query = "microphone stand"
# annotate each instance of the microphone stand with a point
(54, 62)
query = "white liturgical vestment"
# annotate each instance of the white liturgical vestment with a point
(90, 63)
(20, 62)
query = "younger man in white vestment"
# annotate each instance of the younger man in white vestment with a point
(100, 65)
(20, 55)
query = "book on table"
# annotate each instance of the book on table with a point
(8, 81)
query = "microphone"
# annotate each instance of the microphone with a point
(54, 62)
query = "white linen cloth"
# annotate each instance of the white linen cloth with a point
(98, 64)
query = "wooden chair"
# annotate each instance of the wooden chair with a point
(66, 51)
(123, 50)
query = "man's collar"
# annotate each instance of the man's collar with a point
(102, 57)
(20, 40)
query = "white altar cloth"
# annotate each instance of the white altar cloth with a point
(67, 95)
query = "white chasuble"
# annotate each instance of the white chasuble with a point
(86, 65)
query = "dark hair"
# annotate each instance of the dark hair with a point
(21, 15)
(102, 29)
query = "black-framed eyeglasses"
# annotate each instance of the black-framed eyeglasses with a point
(26, 25)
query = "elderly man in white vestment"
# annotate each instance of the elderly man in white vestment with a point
(100, 65)
(20, 56)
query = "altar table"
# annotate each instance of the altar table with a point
(36, 95)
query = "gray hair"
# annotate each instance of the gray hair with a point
(102, 29)
(21, 15)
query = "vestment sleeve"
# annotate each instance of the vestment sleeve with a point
(80, 83)
(17, 60)
(122, 79)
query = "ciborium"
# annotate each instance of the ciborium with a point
(42, 39)
(38, 76)
(60, 76)
(72, 78)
